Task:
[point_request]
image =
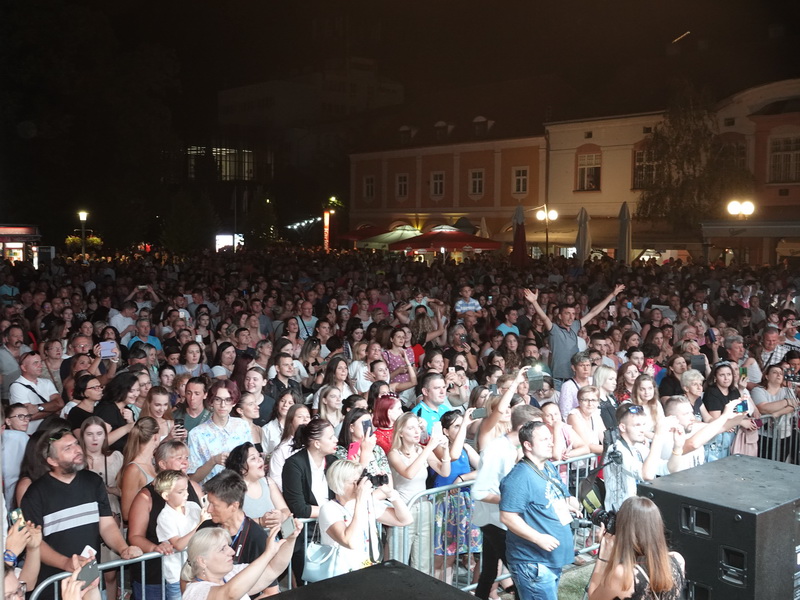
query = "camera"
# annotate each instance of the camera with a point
(791, 376)
(376, 480)
(607, 518)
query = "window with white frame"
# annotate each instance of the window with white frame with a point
(520, 180)
(644, 169)
(401, 185)
(437, 183)
(369, 187)
(588, 172)
(476, 182)
(784, 160)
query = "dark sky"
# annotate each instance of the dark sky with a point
(434, 44)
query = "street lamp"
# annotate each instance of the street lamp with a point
(742, 209)
(82, 215)
(543, 214)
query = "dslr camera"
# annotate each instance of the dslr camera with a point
(376, 480)
(607, 518)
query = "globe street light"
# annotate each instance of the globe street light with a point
(82, 215)
(543, 214)
(742, 209)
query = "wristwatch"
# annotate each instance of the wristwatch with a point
(40, 408)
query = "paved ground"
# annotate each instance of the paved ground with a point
(574, 581)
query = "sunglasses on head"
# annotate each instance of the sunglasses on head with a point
(634, 409)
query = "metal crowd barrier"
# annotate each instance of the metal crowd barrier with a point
(435, 506)
(779, 439)
(54, 580)
(432, 510)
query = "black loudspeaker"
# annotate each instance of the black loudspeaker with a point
(736, 521)
(389, 580)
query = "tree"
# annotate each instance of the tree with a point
(696, 171)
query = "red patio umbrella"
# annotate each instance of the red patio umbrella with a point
(449, 238)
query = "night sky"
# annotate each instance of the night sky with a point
(88, 88)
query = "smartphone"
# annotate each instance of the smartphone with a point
(698, 362)
(741, 407)
(107, 349)
(712, 337)
(141, 287)
(204, 502)
(352, 450)
(759, 423)
(89, 572)
(18, 517)
(184, 314)
(705, 306)
(180, 423)
(629, 304)
(493, 388)
(287, 527)
(367, 425)
(479, 413)
(612, 310)
(490, 299)
(451, 369)
(742, 371)
(198, 338)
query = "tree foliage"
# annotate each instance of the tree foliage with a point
(697, 171)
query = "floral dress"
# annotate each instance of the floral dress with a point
(452, 530)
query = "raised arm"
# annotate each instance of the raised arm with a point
(601, 305)
(533, 298)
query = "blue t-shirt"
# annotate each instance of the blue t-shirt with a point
(527, 493)
(429, 415)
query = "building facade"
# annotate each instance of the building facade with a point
(597, 164)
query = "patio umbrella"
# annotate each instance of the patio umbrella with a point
(449, 238)
(519, 251)
(484, 231)
(362, 233)
(583, 243)
(382, 241)
(624, 247)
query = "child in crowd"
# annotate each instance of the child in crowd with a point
(176, 524)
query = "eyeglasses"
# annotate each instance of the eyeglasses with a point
(20, 593)
(222, 401)
(21, 417)
(99, 386)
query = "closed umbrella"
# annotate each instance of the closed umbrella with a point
(519, 251)
(583, 243)
(624, 247)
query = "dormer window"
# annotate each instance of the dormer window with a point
(441, 129)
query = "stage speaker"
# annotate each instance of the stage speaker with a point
(389, 580)
(736, 521)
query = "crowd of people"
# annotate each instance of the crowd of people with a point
(194, 405)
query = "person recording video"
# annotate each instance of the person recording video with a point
(634, 561)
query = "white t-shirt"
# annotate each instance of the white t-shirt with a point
(349, 559)
(20, 391)
(199, 590)
(175, 523)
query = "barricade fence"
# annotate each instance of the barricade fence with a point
(779, 438)
(444, 543)
(54, 581)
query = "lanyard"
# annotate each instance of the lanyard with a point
(545, 476)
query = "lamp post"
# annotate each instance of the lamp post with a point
(543, 214)
(741, 209)
(82, 215)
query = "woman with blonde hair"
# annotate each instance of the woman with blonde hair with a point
(137, 467)
(211, 574)
(635, 562)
